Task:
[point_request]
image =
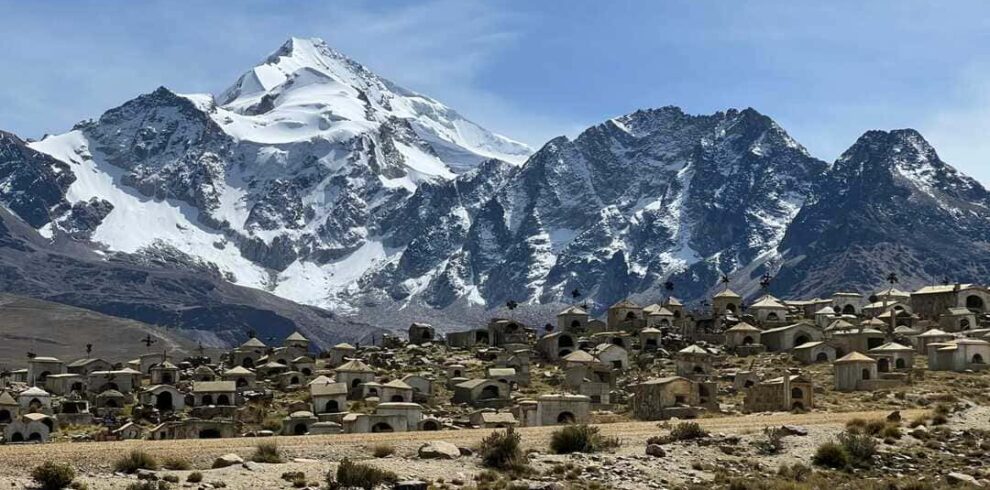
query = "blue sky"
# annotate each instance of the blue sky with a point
(826, 71)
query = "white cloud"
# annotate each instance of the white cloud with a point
(64, 66)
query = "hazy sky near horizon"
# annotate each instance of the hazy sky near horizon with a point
(826, 71)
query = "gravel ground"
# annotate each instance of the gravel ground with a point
(315, 455)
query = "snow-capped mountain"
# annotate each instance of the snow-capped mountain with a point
(888, 204)
(157, 287)
(619, 210)
(276, 181)
(318, 181)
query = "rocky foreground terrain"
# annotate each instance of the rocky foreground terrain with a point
(951, 454)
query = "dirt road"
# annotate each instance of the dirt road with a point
(99, 456)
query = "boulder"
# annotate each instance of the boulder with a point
(411, 485)
(655, 450)
(227, 460)
(149, 475)
(439, 450)
(794, 430)
(956, 478)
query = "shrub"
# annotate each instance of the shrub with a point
(875, 427)
(356, 475)
(686, 431)
(856, 423)
(171, 478)
(859, 447)
(149, 485)
(772, 441)
(293, 475)
(939, 419)
(891, 431)
(502, 450)
(486, 476)
(797, 472)
(296, 478)
(176, 464)
(831, 455)
(580, 439)
(267, 452)
(53, 476)
(382, 451)
(194, 477)
(136, 460)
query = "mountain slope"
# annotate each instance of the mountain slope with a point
(320, 182)
(619, 210)
(53, 329)
(164, 286)
(170, 290)
(282, 180)
(888, 204)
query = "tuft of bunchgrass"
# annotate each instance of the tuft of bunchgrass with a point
(135, 460)
(383, 451)
(176, 464)
(267, 452)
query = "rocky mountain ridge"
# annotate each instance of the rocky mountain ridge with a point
(324, 184)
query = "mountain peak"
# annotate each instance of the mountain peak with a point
(306, 44)
(898, 148)
(880, 160)
(299, 57)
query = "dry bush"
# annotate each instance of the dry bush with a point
(502, 450)
(580, 439)
(772, 441)
(53, 476)
(356, 475)
(267, 452)
(136, 460)
(175, 463)
(859, 447)
(383, 450)
(831, 455)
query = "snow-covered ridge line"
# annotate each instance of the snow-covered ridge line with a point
(317, 180)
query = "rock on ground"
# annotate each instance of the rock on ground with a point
(439, 450)
(227, 460)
